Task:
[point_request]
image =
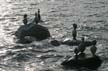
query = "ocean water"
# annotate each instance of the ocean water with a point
(59, 15)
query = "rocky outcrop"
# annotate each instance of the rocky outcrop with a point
(37, 31)
(70, 42)
(90, 63)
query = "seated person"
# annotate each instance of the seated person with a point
(81, 47)
(93, 48)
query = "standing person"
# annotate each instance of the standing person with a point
(74, 32)
(39, 17)
(93, 48)
(36, 19)
(25, 21)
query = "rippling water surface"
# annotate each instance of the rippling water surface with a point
(59, 15)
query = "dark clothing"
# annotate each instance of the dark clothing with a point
(25, 21)
(39, 17)
(36, 20)
(82, 47)
(74, 34)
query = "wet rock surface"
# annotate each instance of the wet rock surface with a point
(37, 31)
(90, 63)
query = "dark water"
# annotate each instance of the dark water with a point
(59, 15)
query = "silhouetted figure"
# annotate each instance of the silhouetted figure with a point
(76, 53)
(81, 46)
(36, 19)
(74, 32)
(25, 21)
(39, 17)
(93, 48)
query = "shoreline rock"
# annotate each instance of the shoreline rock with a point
(90, 63)
(37, 31)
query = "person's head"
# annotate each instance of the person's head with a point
(38, 10)
(94, 42)
(74, 26)
(25, 15)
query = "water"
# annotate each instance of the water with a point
(59, 15)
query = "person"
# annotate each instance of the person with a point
(81, 46)
(25, 21)
(76, 51)
(39, 17)
(80, 49)
(74, 32)
(93, 48)
(36, 19)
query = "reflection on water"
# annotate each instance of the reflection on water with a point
(59, 15)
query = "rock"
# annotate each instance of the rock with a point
(34, 30)
(71, 42)
(22, 57)
(55, 42)
(90, 63)
(76, 42)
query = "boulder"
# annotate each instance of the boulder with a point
(34, 30)
(89, 62)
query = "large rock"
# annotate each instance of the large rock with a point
(90, 63)
(34, 30)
